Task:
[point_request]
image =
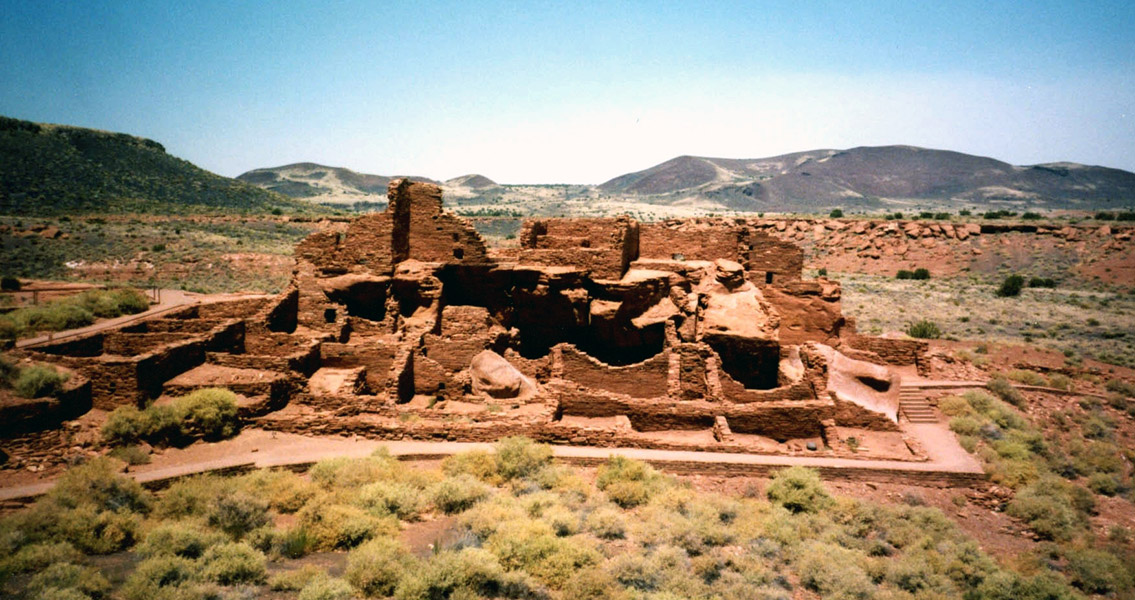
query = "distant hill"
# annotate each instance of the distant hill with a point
(867, 176)
(476, 182)
(55, 169)
(320, 183)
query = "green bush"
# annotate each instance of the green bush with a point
(1104, 483)
(1011, 286)
(283, 490)
(98, 531)
(1042, 282)
(1096, 571)
(210, 413)
(920, 273)
(191, 497)
(478, 463)
(131, 455)
(233, 563)
(1005, 390)
(397, 498)
(458, 493)
(98, 484)
(628, 482)
(37, 557)
(333, 526)
(832, 571)
(162, 576)
(326, 588)
(469, 573)
(836, 213)
(39, 381)
(87, 581)
(923, 329)
(377, 566)
(904, 274)
(519, 457)
(1026, 377)
(1048, 508)
(296, 579)
(1120, 386)
(280, 543)
(798, 489)
(237, 514)
(9, 284)
(176, 538)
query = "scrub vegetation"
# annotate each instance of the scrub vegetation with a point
(516, 525)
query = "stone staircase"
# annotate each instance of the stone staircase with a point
(914, 405)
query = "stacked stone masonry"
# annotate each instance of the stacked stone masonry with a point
(695, 334)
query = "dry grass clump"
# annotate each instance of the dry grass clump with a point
(209, 413)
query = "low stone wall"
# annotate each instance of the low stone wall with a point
(893, 351)
(647, 379)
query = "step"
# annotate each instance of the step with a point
(246, 382)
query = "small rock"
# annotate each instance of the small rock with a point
(810, 445)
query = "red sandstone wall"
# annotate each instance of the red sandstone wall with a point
(648, 379)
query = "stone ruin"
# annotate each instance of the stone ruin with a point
(698, 334)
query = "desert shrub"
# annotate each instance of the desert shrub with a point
(469, 573)
(954, 406)
(296, 579)
(1042, 282)
(923, 329)
(458, 493)
(1026, 377)
(1104, 483)
(9, 284)
(54, 316)
(478, 463)
(1122, 387)
(832, 571)
(87, 581)
(338, 526)
(1095, 571)
(1060, 381)
(798, 489)
(280, 543)
(179, 538)
(563, 520)
(376, 566)
(237, 514)
(39, 556)
(210, 413)
(1095, 457)
(385, 498)
(593, 584)
(628, 482)
(1105, 216)
(162, 576)
(904, 274)
(99, 484)
(484, 518)
(1005, 390)
(920, 273)
(131, 455)
(98, 531)
(39, 381)
(518, 457)
(836, 213)
(234, 562)
(533, 547)
(326, 588)
(190, 497)
(1011, 286)
(283, 490)
(1048, 507)
(635, 571)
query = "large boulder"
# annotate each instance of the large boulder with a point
(495, 377)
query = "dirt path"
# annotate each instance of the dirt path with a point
(255, 448)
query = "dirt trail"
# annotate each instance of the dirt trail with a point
(255, 448)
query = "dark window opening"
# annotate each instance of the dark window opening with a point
(768, 276)
(329, 315)
(458, 253)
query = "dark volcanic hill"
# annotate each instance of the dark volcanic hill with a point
(55, 169)
(310, 180)
(476, 182)
(866, 176)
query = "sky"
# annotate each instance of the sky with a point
(558, 92)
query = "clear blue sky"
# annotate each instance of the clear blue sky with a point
(532, 92)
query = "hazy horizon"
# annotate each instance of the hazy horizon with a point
(553, 94)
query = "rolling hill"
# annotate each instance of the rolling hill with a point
(55, 169)
(868, 176)
(322, 184)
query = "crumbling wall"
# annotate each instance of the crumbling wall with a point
(603, 247)
(771, 261)
(647, 379)
(691, 239)
(809, 311)
(894, 351)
